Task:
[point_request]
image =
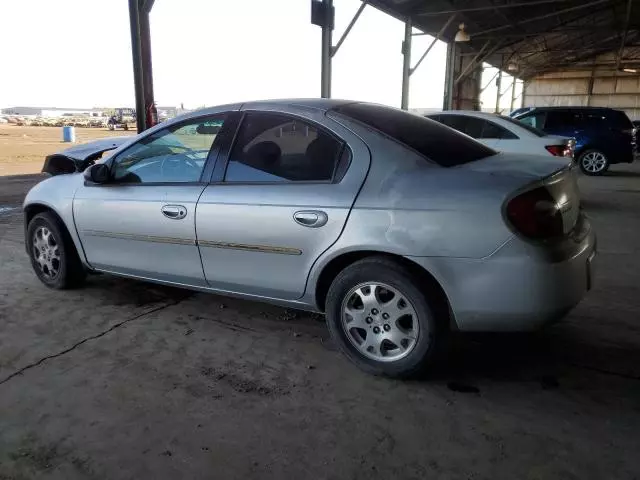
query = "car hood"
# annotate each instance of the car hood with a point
(518, 165)
(79, 157)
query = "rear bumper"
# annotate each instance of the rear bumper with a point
(515, 289)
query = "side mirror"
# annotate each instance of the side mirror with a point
(98, 173)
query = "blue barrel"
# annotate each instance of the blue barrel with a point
(68, 134)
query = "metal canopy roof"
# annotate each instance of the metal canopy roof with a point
(537, 36)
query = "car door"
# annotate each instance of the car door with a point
(142, 221)
(290, 180)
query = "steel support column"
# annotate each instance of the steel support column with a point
(499, 89)
(590, 85)
(327, 47)
(449, 77)
(138, 67)
(513, 94)
(406, 65)
(147, 70)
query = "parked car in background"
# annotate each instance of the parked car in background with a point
(604, 136)
(395, 226)
(505, 134)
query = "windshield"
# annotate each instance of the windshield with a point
(536, 131)
(443, 145)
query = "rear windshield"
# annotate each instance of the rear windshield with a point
(529, 128)
(443, 145)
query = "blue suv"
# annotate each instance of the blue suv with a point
(604, 136)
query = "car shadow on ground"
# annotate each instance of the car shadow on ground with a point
(622, 173)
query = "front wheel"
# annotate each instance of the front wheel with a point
(52, 253)
(380, 319)
(593, 162)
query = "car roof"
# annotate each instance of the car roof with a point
(314, 103)
(468, 113)
(531, 109)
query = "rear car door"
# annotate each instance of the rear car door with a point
(280, 198)
(142, 222)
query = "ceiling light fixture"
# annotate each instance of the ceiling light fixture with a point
(630, 70)
(461, 35)
(512, 67)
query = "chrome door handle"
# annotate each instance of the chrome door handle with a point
(174, 212)
(311, 218)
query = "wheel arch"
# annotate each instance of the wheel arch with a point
(35, 208)
(425, 278)
(592, 146)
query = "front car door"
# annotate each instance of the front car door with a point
(280, 199)
(142, 222)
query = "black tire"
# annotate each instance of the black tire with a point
(393, 274)
(70, 271)
(586, 159)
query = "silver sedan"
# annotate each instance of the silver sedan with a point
(397, 227)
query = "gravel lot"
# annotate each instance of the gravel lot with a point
(126, 380)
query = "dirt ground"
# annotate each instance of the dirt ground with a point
(127, 380)
(22, 149)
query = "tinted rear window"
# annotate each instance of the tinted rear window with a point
(429, 138)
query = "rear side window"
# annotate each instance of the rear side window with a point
(535, 120)
(528, 123)
(618, 120)
(563, 119)
(277, 148)
(493, 130)
(470, 125)
(442, 145)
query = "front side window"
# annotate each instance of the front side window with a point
(174, 154)
(272, 147)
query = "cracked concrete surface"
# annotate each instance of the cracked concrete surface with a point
(126, 380)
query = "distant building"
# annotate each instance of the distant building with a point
(52, 111)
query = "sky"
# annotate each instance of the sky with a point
(77, 53)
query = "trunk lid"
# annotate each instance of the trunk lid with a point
(552, 174)
(518, 165)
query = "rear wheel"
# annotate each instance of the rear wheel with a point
(52, 253)
(593, 162)
(380, 319)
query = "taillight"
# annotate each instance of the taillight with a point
(536, 214)
(560, 150)
(557, 150)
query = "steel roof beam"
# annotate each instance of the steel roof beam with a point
(545, 16)
(481, 9)
(435, 39)
(353, 21)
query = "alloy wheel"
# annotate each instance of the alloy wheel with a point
(46, 252)
(594, 162)
(380, 321)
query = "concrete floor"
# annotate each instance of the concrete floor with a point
(125, 380)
